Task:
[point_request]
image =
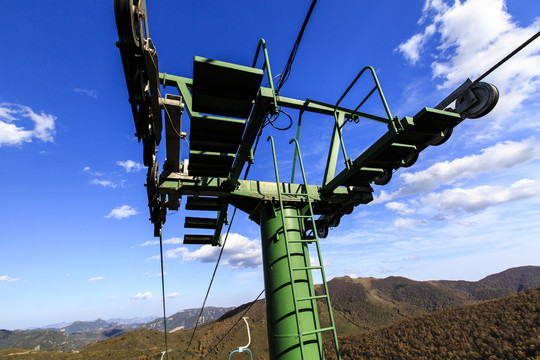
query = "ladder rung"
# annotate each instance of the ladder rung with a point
(308, 268)
(318, 331)
(313, 297)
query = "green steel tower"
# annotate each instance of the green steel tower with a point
(227, 109)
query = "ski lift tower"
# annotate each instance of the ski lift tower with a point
(227, 108)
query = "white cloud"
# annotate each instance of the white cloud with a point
(8, 279)
(498, 157)
(412, 47)
(481, 197)
(401, 208)
(130, 165)
(405, 223)
(104, 183)
(122, 212)
(97, 278)
(383, 196)
(142, 296)
(173, 241)
(152, 258)
(86, 168)
(171, 295)
(89, 93)
(473, 36)
(15, 129)
(239, 252)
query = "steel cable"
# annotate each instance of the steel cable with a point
(163, 294)
(287, 70)
(236, 323)
(507, 57)
(210, 285)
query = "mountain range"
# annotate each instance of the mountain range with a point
(69, 337)
(361, 306)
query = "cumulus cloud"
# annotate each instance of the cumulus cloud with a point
(142, 296)
(8, 279)
(470, 37)
(130, 165)
(481, 197)
(501, 156)
(122, 212)
(171, 295)
(412, 47)
(97, 278)
(239, 252)
(400, 208)
(20, 124)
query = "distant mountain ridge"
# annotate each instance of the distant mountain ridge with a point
(369, 303)
(97, 324)
(517, 279)
(186, 319)
(69, 337)
(359, 304)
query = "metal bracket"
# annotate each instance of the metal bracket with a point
(173, 106)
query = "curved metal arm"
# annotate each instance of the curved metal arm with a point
(377, 87)
(242, 348)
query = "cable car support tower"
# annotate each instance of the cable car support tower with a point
(227, 109)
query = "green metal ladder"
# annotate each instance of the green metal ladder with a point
(307, 216)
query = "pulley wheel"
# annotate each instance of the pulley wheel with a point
(128, 22)
(140, 83)
(322, 231)
(487, 96)
(152, 179)
(408, 162)
(442, 137)
(348, 209)
(149, 151)
(383, 178)
(334, 222)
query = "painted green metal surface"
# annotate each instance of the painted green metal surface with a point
(283, 335)
(307, 341)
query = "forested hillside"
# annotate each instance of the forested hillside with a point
(507, 328)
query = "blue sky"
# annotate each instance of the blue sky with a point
(76, 243)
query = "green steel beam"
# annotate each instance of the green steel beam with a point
(183, 85)
(331, 162)
(260, 190)
(266, 95)
(264, 103)
(320, 107)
